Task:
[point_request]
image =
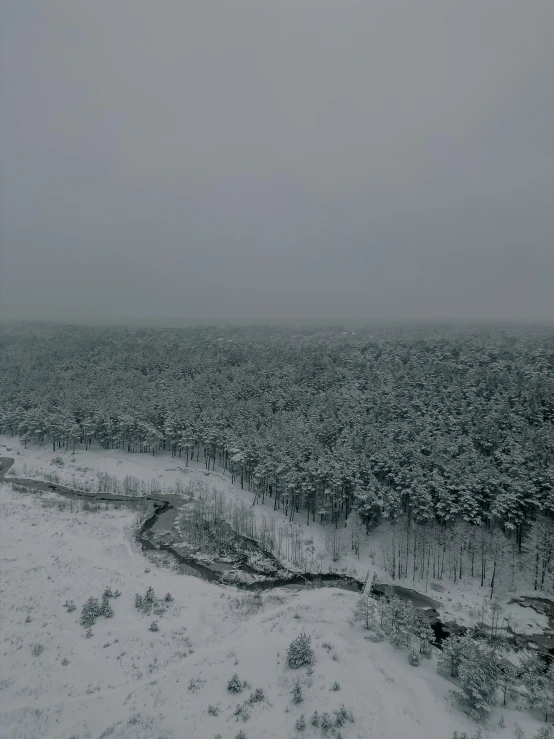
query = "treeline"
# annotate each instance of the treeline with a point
(432, 427)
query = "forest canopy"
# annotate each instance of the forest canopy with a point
(431, 424)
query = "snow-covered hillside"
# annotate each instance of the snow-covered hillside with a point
(129, 682)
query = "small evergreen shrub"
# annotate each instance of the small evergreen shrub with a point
(335, 686)
(89, 634)
(70, 605)
(341, 716)
(90, 612)
(300, 724)
(154, 626)
(296, 692)
(300, 652)
(213, 710)
(326, 722)
(240, 735)
(234, 685)
(116, 593)
(107, 593)
(413, 658)
(315, 719)
(257, 696)
(168, 598)
(37, 649)
(106, 609)
(28, 619)
(65, 661)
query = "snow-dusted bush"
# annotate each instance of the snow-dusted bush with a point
(90, 612)
(335, 686)
(154, 626)
(106, 609)
(341, 716)
(37, 649)
(300, 652)
(315, 719)
(326, 722)
(213, 710)
(300, 724)
(150, 596)
(257, 696)
(413, 658)
(148, 602)
(242, 711)
(234, 685)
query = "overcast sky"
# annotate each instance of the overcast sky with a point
(277, 159)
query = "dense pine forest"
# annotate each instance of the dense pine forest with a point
(443, 435)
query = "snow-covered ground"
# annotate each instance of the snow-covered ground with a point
(127, 681)
(464, 602)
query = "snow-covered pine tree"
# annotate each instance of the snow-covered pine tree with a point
(300, 651)
(423, 632)
(90, 612)
(453, 649)
(106, 609)
(478, 673)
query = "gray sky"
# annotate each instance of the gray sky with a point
(277, 159)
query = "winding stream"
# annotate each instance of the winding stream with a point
(157, 535)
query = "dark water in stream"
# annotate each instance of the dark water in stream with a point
(157, 535)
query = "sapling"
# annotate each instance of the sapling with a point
(296, 692)
(300, 724)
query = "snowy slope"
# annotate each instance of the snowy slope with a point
(126, 681)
